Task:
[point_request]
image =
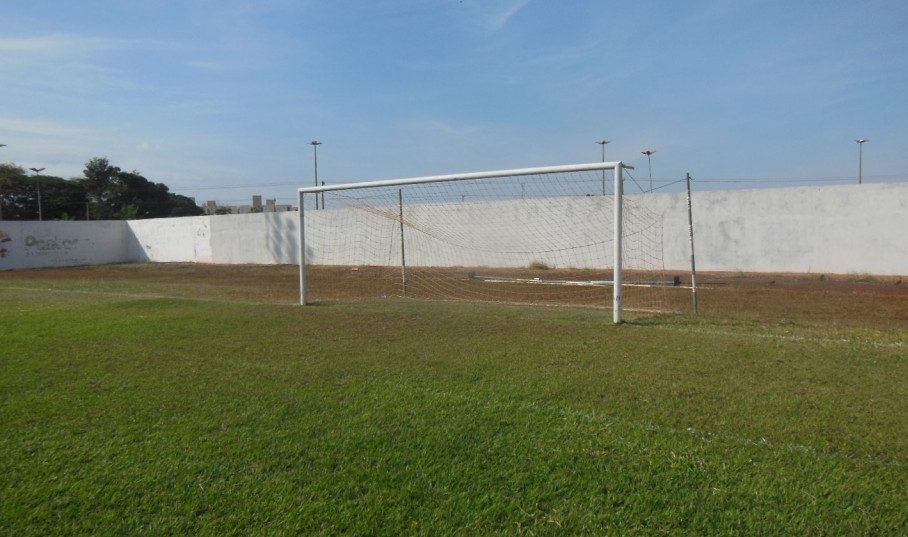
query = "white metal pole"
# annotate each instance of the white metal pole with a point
(38, 184)
(690, 231)
(617, 295)
(315, 160)
(861, 142)
(603, 171)
(649, 165)
(302, 249)
(403, 256)
(602, 143)
(315, 144)
(467, 176)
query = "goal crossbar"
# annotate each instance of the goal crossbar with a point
(592, 166)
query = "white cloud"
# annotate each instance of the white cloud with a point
(41, 127)
(498, 20)
(73, 45)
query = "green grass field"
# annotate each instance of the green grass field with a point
(127, 414)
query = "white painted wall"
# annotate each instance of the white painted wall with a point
(259, 238)
(169, 240)
(833, 229)
(60, 243)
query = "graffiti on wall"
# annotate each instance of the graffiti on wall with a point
(36, 246)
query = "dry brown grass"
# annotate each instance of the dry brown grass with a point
(809, 298)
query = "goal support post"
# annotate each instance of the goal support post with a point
(486, 185)
(618, 242)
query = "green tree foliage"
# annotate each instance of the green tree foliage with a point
(60, 199)
(105, 192)
(133, 196)
(99, 182)
(184, 206)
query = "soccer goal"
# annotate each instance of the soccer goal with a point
(562, 235)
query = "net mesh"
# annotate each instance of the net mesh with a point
(538, 239)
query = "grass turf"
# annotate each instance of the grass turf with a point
(142, 415)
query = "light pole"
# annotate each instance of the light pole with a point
(315, 144)
(861, 143)
(38, 184)
(602, 143)
(649, 154)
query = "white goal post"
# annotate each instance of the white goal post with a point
(369, 217)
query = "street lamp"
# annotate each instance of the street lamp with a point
(602, 143)
(315, 144)
(649, 154)
(38, 184)
(861, 143)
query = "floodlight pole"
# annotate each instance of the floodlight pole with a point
(38, 184)
(861, 143)
(602, 143)
(315, 144)
(649, 161)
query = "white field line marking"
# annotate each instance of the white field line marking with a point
(702, 436)
(806, 339)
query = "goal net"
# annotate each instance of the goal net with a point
(530, 236)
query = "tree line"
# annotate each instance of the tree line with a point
(104, 192)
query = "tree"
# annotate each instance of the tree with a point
(184, 206)
(126, 195)
(134, 196)
(60, 198)
(13, 191)
(147, 199)
(106, 190)
(98, 181)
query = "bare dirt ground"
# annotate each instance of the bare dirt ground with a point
(850, 299)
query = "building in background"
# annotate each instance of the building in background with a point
(271, 206)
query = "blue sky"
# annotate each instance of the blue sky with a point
(200, 94)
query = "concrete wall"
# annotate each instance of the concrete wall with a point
(60, 243)
(169, 240)
(834, 229)
(263, 238)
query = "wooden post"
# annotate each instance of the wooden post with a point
(690, 231)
